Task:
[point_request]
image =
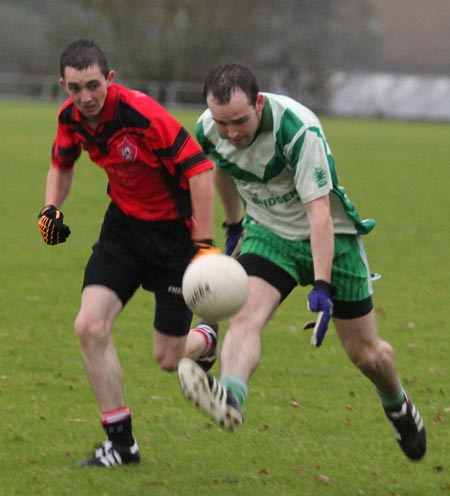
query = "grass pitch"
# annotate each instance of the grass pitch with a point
(314, 425)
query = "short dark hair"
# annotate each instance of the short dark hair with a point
(81, 54)
(222, 81)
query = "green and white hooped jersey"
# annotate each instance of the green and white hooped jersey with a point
(289, 163)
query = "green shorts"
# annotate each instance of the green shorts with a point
(350, 273)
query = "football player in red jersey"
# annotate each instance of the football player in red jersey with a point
(160, 217)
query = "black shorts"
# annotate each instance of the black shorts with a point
(258, 266)
(131, 253)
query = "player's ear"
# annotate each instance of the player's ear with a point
(259, 106)
(62, 83)
(110, 77)
(259, 101)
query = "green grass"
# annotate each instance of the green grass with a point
(313, 423)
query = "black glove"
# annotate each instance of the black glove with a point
(51, 226)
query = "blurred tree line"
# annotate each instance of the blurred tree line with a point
(291, 45)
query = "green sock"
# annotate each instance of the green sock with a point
(237, 386)
(392, 401)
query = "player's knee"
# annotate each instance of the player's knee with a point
(167, 362)
(90, 329)
(376, 358)
(250, 323)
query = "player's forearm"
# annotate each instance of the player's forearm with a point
(322, 247)
(321, 237)
(58, 186)
(202, 199)
(231, 200)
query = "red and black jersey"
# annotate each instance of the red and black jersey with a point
(146, 153)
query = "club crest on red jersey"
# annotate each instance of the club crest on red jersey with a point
(127, 149)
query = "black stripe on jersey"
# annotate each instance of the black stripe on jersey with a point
(173, 150)
(181, 198)
(127, 117)
(65, 117)
(67, 152)
(192, 161)
(130, 117)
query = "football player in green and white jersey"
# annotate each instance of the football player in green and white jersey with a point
(293, 225)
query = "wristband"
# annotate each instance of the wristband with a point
(235, 227)
(47, 208)
(206, 241)
(325, 286)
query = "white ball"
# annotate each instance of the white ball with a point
(215, 287)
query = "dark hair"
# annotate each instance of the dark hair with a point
(81, 54)
(222, 81)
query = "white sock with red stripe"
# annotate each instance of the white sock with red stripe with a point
(116, 415)
(209, 341)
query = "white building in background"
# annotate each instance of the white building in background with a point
(394, 96)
